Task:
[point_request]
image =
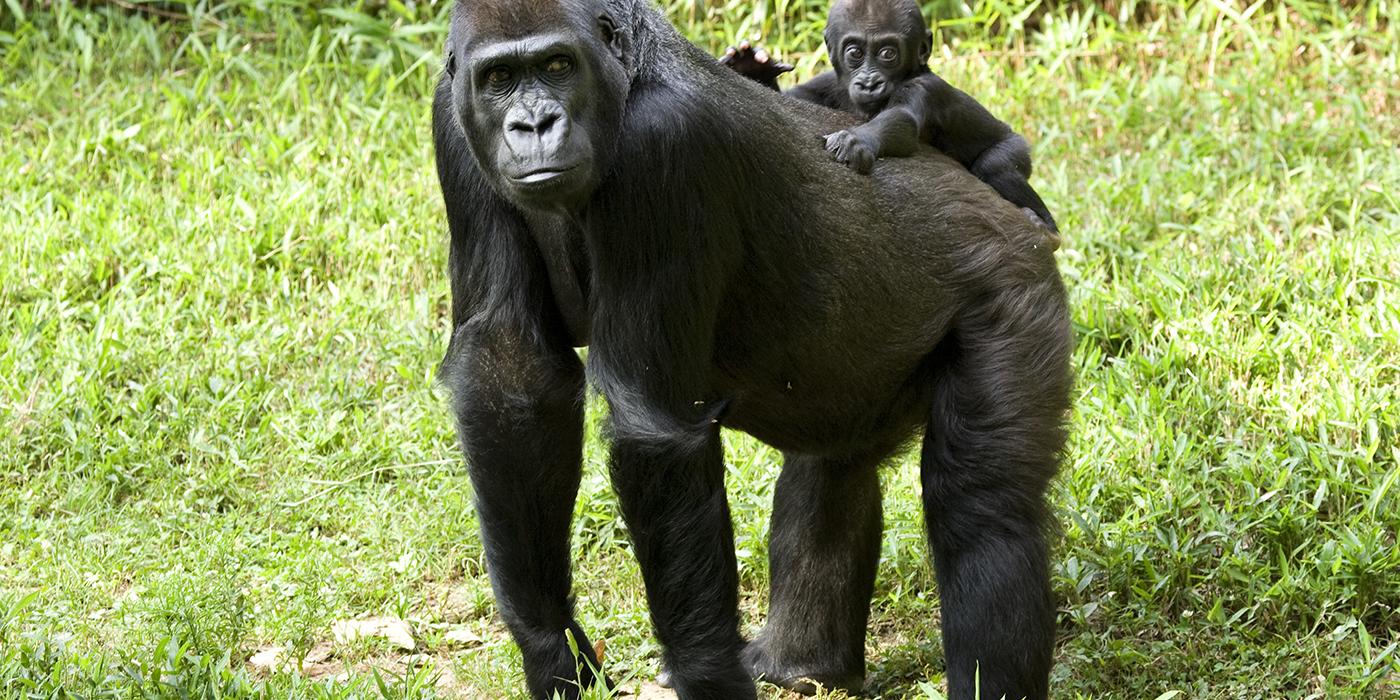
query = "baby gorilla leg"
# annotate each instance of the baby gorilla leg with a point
(1006, 166)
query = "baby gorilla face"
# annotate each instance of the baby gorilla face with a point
(875, 45)
(874, 65)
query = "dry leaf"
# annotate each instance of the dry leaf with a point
(317, 663)
(269, 659)
(461, 637)
(318, 654)
(396, 631)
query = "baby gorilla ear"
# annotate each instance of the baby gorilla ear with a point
(451, 65)
(615, 38)
(926, 48)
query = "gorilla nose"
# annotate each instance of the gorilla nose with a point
(870, 85)
(532, 129)
(535, 123)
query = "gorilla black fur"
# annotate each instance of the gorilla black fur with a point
(608, 184)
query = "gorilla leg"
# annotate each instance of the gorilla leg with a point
(523, 457)
(991, 449)
(823, 550)
(1006, 167)
(1009, 155)
(670, 482)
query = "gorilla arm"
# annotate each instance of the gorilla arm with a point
(893, 133)
(651, 356)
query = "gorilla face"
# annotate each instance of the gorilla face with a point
(875, 46)
(541, 104)
(873, 66)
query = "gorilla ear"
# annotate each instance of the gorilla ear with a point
(926, 48)
(615, 38)
(451, 65)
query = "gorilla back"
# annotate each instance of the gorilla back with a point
(609, 184)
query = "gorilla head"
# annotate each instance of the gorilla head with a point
(539, 89)
(875, 45)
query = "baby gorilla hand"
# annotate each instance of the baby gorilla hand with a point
(755, 64)
(853, 149)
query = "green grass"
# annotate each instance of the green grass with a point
(223, 299)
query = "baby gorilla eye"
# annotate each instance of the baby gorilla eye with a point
(558, 65)
(888, 54)
(855, 53)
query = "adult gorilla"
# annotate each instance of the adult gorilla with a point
(609, 184)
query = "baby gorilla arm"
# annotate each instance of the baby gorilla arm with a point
(758, 65)
(893, 133)
(755, 63)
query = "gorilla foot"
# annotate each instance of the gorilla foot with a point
(562, 670)
(806, 679)
(1051, 234)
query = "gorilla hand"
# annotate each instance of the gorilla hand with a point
(756, 64)
(852, 149)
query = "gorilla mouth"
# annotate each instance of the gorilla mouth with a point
(550, 184)
(870, 101)
(542, 176)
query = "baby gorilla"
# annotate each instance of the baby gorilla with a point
(880, 49)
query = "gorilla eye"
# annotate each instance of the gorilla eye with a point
(558, 65)
(498, 76)
(888, 54)
(854, 53)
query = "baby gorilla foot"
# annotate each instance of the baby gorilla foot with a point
(804, 680)
(853, 150)
(755, 64)
(1051, 234)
